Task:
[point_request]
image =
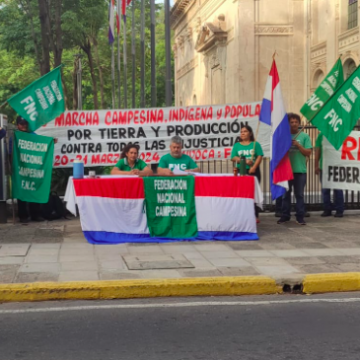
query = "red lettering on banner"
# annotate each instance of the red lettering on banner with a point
(257, 109)
(227, 111)
(136, 117)
(95, 120)
(212, 154)
(142, 117)
(130, 117)
(107, 116)
(161, 115)
(95, 159)
(75, 116)
(346, 150)
(81, 118)
(204, 155)
(246, 113)
(239, 110)
(122, 118)
(59, 121)
(68, 120)
(210, 113)
(227, 152)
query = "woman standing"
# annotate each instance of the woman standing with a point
(130, 164)
(252, 151)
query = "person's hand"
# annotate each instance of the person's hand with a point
(317, 170)
(55, 140)
(249, 162)
(135, 172)
(167, 172)
(296, 143)
(252, 170)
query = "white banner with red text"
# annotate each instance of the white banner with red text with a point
(341, 168)
(98, 136)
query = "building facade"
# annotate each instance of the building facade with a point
(223, 49)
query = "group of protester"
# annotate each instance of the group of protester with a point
(250, 149)
(131, 164)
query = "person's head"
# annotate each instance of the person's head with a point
(246, 133)
(176, 146)
(294, 121)
(131, 152)
(22, 124)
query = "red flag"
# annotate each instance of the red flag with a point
(125, 3)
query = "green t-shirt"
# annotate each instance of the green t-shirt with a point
(318, 144)
(123, 165)
(247, 150)
(297, 159)
(185, 162)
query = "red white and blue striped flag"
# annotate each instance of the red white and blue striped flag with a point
(273, 114)
(125, 3)
(111, 22)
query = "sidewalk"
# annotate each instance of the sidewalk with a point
(57, 251)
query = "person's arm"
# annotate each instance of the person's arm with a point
(164, 172)
(317, 160)
(146, 171)
(193, 167)
(117, 171)
(256, 165)
(304, 151)
(234, 158)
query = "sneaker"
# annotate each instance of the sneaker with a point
(339, 215)
(300, 221)
(326, 213)
(278, 214)
(283, 220)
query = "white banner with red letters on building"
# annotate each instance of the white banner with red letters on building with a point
(341, 168)
(98, 136)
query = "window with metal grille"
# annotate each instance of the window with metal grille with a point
(353, 14)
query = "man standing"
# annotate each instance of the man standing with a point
(300, 149)
(176, 159)
(27, 209)
(326, 193)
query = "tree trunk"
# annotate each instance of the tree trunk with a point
(75, 90)
(97, 58)
(45, 39)
(87, 49)
(58, 48)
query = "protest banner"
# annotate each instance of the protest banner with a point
(341, 168)
(32, 167)
(41, 101)
(97, 137)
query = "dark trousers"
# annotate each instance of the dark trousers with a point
(338, 199)
(278, 204)
(28, 209)
(298, 184)
(258, 176)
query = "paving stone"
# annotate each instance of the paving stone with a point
(276, 270)
(148, 262)
(200, 273)
(177, 249)
(211, 247)
(254, 253)
(289, 253)
(348, 267)
(343, 244)
(116, 265)
(14, 250)
(310, 245)
(45, 246)
(160, 274)
(48, 234)
(11, 260)
(243, 271)
(40, 267)
(266, 261)
(77, 247)
(322, 252)
(304, 260)
(119, 275)
(76, 257)
(81, 265)
(339, 259)
(117, 250)
(349, 252)
(36, 277)
(277, 246)
(202, 264)
(41, 259)
(194, 255)
(219, 254)
(229, 262)
(317, 269)
(74, 240)
(245, 245)
(145, 250)
(8, 273)
(79, 275)
(41, 252)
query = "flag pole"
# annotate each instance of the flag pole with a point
(133, 50)
(142, 41)
(118, 55)
(113, 75)
(3, 104)
(168, 91)
(125, 63)
(153, 62)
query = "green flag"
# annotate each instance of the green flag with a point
(42, 101)
(338, 116)
(334, 79)
(32, 167)
(170, 206)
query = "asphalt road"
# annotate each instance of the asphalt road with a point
(246, 328)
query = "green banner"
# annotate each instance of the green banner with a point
(339, 115)
(32, 167)
(170, 207)
(334, 79)
(42, 101)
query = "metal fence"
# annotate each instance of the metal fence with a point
(313, 198)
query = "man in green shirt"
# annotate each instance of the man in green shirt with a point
(299, 151)
(176, 159)
(326, 193)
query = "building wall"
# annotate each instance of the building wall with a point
(307, 35)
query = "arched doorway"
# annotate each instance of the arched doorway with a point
(349, 67)
(318, 78)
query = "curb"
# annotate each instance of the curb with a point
(217, 286)
(127, 289)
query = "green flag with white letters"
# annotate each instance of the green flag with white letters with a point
(333, 80)
(32, 167)
(170, 207)
(41, 101)
(338, 116)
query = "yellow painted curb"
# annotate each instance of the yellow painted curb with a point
(324, 283)
(126, 289)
